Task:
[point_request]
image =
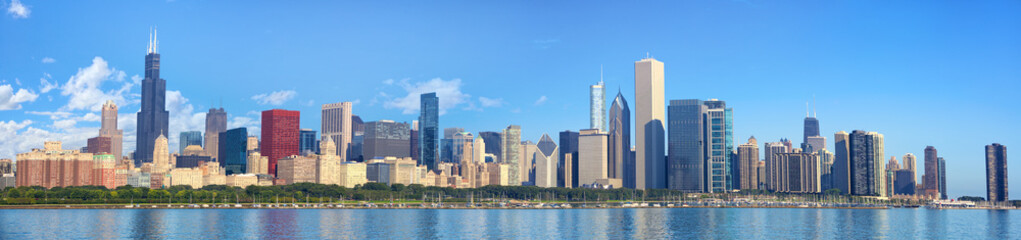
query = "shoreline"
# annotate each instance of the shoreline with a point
(461, 207)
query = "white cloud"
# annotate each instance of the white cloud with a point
(490, 102)
(47, 86)
(276, 98)
(18, 137)
(49, 60)
(388, 82)
(449, 93)
(182, 118)
(18, 10)
(64, 124)
(10, 100)
(253, 124)
(84, 87)
(53, 115)
(541, 100)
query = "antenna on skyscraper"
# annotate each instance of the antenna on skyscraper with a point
(807, 112)
(156, 40)
(600, 74)
(814, 112)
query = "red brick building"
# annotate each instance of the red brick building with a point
(279, 135)
(54, 167)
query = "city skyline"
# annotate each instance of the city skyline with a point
(767, 116)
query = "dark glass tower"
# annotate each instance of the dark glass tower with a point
(429, 130)
(307, 142)
(568, 144)
(494, 144)
(811, 128)
(619, 151)
(233, 150)
(996, 172)
(687, 155)
(153, 116)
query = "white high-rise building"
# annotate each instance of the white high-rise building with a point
(546, 162)
(597, 106)
(336, 121)
(650, 117)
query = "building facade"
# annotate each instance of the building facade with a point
(686, 156)
(597, 106)
(512, 154)
(337, 125)
(189, 138)
(216, 123)
(386, 138)
(748, 158)
(152, 119)
(546, 162)
(567, 166)
(279, 135)
(996, 173)
(109, 129)
(308, 143)
(650, 114)
(234, 150)
(619, 138)
(429, 130)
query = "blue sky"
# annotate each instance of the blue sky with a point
(922, 73)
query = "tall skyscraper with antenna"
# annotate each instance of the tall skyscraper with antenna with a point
(811, 126)
(597, 104)
(153, 116)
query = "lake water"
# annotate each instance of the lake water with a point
(659, 223)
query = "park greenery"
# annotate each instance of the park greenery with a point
(381, 193)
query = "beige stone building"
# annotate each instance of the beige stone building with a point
(592, 159)
(257, 163)
(242, 180)
(296, 169)
(186, 176)
(351, 174)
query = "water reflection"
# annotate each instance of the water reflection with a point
(682, 223)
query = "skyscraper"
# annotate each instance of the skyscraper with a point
(567, 165)
(996, 173)
(279, 135)
(748, 160)
(494, 144)
(868, 170)
(153, 116)
(511, 153)
(841, 175)
(429, 130)
(650, 163)
(719, 131)
(942, 177)
(233, 150)
(619, 139)
(811, 128)
(546, 162)
(930, 180)
(307, 142)
(597, 106)
(337, 125)
(908, 162)
(189, 138)
(687, 156)
(386, 138)
(109, 129)
(775, 167)
(593, 164)
(216, 123)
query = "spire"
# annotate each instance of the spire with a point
(807, 111)
(148, 48)
(600, 74)
(814, 112)
(156, 41)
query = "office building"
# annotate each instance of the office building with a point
(99, 145)
(904, 183)
(308, 143)
(619, 138)
(152, 119)
(650, 113)
(799, 172)
(942, 178)
(279, 136)
(592, 159)
(234, 151)
(296, 169)
(386, 138)
(567, 166)
(429, 130)
(337, 124)
(109, 129)
(719, 132)
(597, 106)
(257, 163)
(216, 123)
(527, 163)
(811, 130)
(815, 143)
(494, 144)
(545, 162)
(841, 174)
(825, 169)
(748, 160)
(511, 154)
(996, 173)
(686, 155)
(908, 162)
(189, 138)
